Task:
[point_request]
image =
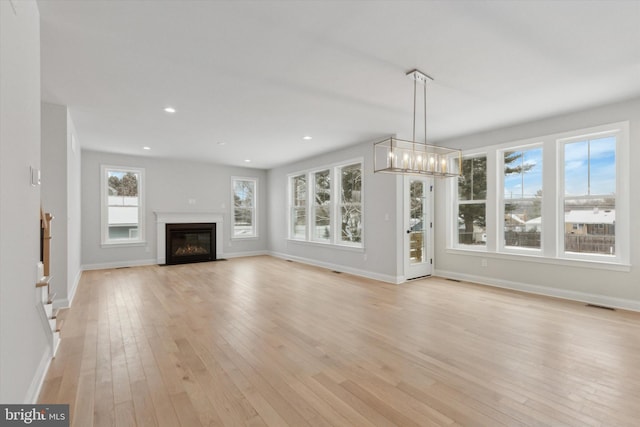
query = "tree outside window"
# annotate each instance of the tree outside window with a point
(322, 205)
(351, 203)
(121, 205)
(244, 207)
(522, 198)
(299, 207)
(472, 204)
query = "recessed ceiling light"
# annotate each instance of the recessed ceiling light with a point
(306, 138)
(146, 148)
(247, 161)
(170, 110)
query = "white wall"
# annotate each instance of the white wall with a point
(60, 193)
(74, 208)
(24, 349)
(615, 288)
(380, 258)
(54, 190)
(168, 186)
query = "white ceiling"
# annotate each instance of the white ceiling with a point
(260, 75)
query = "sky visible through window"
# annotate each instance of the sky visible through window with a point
(590, 167)
(527, 184)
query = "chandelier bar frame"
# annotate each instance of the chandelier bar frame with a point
(399, 156)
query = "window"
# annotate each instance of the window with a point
(522, 198)
(580, 214)
(245, 194)
(122, 205)
(472, 203)
(298, 209)
(590, 195)
(350, 209)
(332, 214)
(321, 229)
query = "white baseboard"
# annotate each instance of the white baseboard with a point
(342, 268)
(119, 264)
(585, 297)
(244, 254)
(66, 302)
(38, 378)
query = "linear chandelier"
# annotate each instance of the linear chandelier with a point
(399, 156)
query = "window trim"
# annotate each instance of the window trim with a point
(254, 216)
(622, 245)
(334, 240)
(313, 205)
(291, 206)
(553, 213)
(104, 207)
(454, 238)
(502, 247)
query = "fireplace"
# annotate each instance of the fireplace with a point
(191, 242)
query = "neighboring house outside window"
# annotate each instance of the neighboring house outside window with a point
(521, 205)
(122, 210)
(586, 183)
(590, 195)
(245, 196)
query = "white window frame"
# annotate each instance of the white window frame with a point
(338, 206)
(622, 233)
(335, 238)
(314, 206)
(454, 235)
(104, 207)
(502, 247)
(552, 239)
(254, 213)
(292, 206)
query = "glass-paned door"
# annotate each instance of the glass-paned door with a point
(418, 197)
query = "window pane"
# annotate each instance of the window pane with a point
(323, 188)
(322, 223)
(522, 223)
(299, 223)
(299, 192)
(416, 221)
(243, 222)
(603, 166)
(523, 173)
(473, 184)
(243, 193)
(472, 224)
(351, 223)
(590, 225)
(576, 168)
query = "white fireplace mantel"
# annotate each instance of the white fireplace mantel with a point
(164, 218)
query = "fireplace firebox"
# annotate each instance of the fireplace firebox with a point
(192, 242)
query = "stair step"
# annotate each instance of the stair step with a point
(55, 314)
(44, 281)
(59, 326)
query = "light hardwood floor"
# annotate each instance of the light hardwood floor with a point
(262, 341)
